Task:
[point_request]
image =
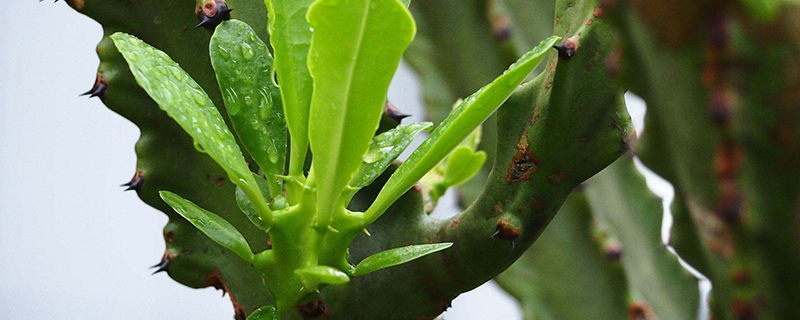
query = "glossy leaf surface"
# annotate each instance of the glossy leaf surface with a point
(313, 276)
(397, 256)
(243, 67)
(457, 126)
(290, 36)
(216, 228)
(462, 164)
(186, 102)
(355, 51)
(385, 148)
(265, 313)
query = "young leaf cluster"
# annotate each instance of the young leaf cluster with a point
(333, 61)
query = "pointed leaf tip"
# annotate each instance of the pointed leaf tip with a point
(397, 256)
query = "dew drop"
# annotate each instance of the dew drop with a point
(247, 51)
(199, 147)
(223, 52)
(272, 154)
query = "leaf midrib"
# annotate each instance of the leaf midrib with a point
(349, 84)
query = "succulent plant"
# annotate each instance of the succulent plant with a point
(268, 141)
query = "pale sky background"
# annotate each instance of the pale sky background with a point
(72, 244)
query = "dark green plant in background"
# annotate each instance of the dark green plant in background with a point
(299, 234)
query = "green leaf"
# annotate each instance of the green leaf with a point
(355, 51)
(247, 207)
(458, 125)
(385, 148)
(215, 227)
(462, 164)
(186, 102)
(314, 276)
(397, 256)
(243, 67)
(290, 36)
(265, 313)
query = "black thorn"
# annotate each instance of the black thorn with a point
(210, 22)
(163, 265)
(393, 113)
(136, 183)
(98, 89)
(204, 20)
(564, 52)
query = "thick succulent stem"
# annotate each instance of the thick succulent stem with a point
(552, 137)
(720, 81)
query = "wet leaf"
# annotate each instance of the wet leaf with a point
(290, 36)
(265, 313)
(397, 256)
(243, 67)
(457, 126)
(385, 148)
(212, 225)
(186, 102)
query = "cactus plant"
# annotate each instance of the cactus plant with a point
(291, 234)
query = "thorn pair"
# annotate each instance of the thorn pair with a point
(212, 13)
(136, 183)
(162, 265)
(98, 89)
(506, 231)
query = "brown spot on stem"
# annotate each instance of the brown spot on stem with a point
(220, 181)
(743, 310)
(505, 230)
(314, 310)
(713, 231)
(727, 160)
(613, 251)
(214, 279)
(640, 311)
(557, 178)
(742, 277)
(523, 164)
(598, 12)
(454, 224)
(78, 4)
(169, 236)
(500, 29)
(538, 204)
(498, 209)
